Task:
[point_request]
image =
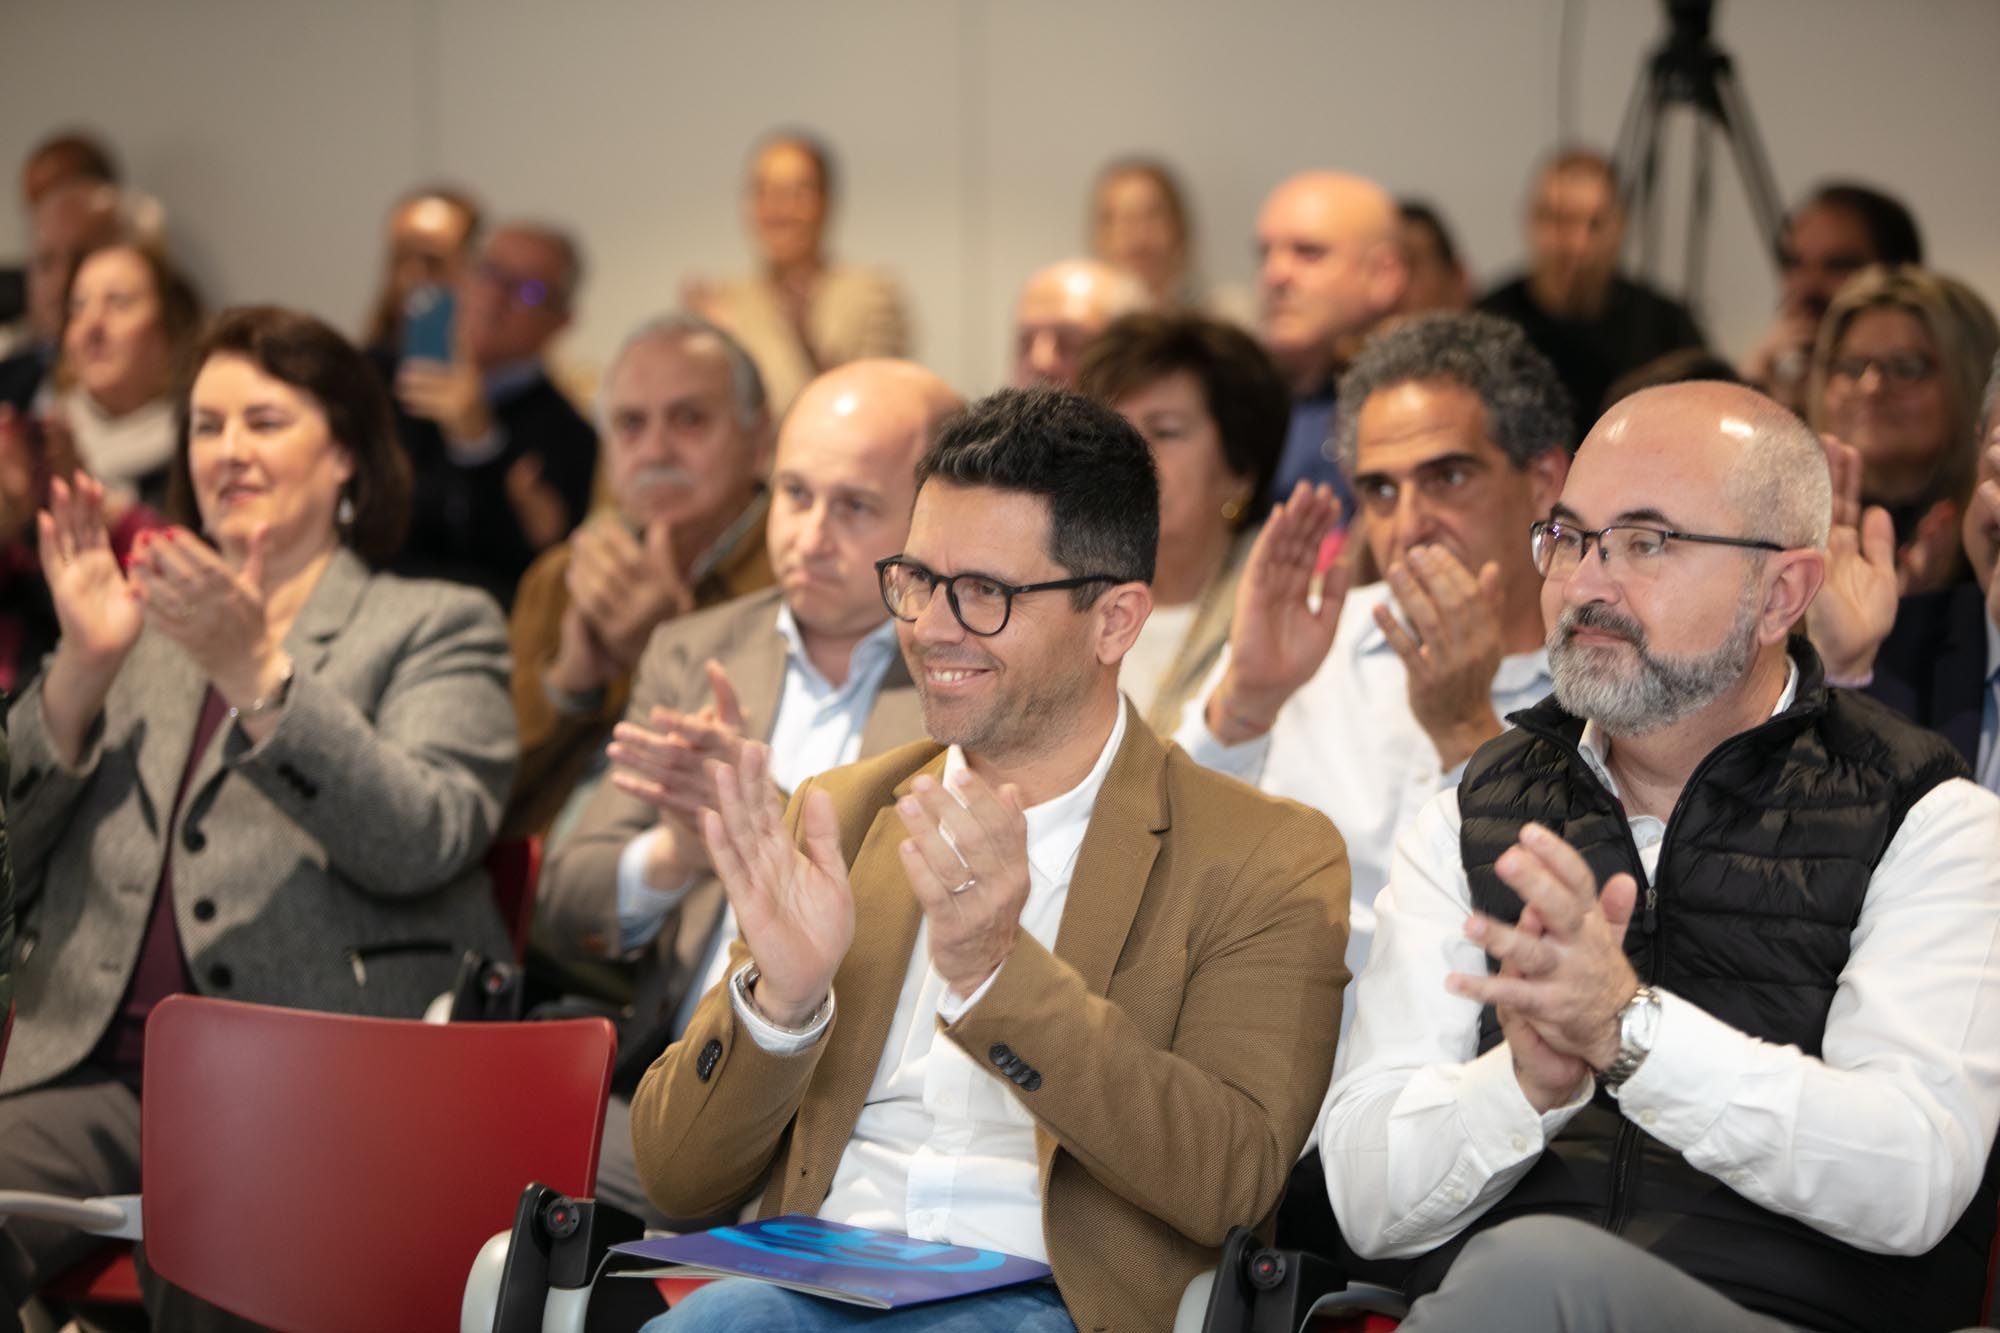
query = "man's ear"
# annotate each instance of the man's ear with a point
(1799, 576)
(1119, 615)
(1547, 471)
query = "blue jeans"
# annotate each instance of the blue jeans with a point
(739, 1305)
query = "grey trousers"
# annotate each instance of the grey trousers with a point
(1555, 1275)
(79, 1136)
(618, 1169)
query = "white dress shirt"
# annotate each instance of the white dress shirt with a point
(943, 1150)
(1879, 1142)
(818, 726)
(1347, 745)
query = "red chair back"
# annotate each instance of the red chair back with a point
(321, 1173)
(515, 864)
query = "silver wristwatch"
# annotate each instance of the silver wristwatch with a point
(1638, 1023)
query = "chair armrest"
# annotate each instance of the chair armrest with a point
(112, 1215)
(1193, 1311)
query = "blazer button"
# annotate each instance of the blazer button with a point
(999, 1054)
(220, 976)
(1032, 1083)
(193, 839)
(204, 909)
(704, 1064)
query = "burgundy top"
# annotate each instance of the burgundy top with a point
(162, 969)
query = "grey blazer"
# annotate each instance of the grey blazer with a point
(577, 898)
(336, 865)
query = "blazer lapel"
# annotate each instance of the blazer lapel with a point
(756, 667)
(170, 690)
(1117, 856)
(898, 714)
(866, 989)
(1958, 699)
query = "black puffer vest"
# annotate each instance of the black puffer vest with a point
(1761, 877)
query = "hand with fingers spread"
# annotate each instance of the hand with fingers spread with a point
(1278, 637)
(1452, 649)
(623, 589)
(100, 612)
(1856, 605)
(967, 859)
(1567, 977)
(666, 765)
(792, 901)
(212, 611)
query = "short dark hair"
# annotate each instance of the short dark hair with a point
(1083, 458)
(1419, 212)
(813, 147)
(312, 357)
(1891, 227)
(1240, 386)
(1528, 411)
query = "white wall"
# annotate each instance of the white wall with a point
(277, 132)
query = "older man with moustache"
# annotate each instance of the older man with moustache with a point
(1683, 1005)
(688, 441)
(1061, 308)
(1331, 268)
(809, 667)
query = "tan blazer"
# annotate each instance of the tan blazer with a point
(1182, 1028)
(856, 313)
(558, 749)
(578, 894)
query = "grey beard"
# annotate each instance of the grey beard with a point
(1658, 691)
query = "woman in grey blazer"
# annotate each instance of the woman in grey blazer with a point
(252, 769)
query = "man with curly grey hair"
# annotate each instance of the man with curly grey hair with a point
(1454, 431)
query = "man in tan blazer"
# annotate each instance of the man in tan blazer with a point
(809, 666)
(1077, 997)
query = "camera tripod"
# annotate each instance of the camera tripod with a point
(1690, 70)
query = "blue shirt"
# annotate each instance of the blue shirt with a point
(1306, 456)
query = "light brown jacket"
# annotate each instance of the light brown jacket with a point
(1182, 1030)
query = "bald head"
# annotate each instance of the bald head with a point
(69, 218)
(1332, 267)
(842, 490)
(1768, 468)
(1062, 307)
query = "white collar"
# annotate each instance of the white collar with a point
(1595, 745)
(1057, 825)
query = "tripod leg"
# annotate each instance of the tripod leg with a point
(1752, 163)
(1697, 227)
(1649, 176)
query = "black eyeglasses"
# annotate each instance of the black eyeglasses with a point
(1635, 548)
(982, 603)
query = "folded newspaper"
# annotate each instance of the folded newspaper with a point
(878, 1269)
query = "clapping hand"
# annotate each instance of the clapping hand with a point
(1564, 974)
(1451, 652)
(666, 764)
(100, 612)
(1856, 606)
(967, 861)
(215, 613)
(1279, 637)
(793, 905)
